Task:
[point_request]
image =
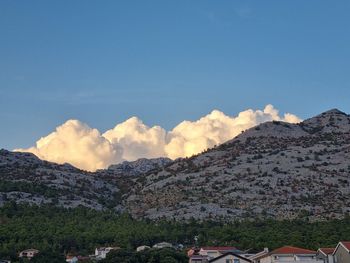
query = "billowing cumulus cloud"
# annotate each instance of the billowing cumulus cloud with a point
(76, 143)
(137, 140)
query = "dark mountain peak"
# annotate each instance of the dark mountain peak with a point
(329, 121)
(27, 159)
(278, 129)
(18, 156)
(333, 111)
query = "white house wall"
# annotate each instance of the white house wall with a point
(232, 257)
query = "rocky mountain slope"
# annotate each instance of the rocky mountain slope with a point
(139, 167)
(273, 170)
(276, 169)
(26, 178)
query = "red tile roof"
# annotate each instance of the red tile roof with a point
(327, 250)
(292, 250)
(346, 244)
(192, 251)
(219, 248)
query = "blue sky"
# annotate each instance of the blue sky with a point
(165, 61)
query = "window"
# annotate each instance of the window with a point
(236, 260)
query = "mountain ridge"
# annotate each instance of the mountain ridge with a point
(275, 169)
(246, 176)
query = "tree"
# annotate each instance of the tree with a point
(48, 257)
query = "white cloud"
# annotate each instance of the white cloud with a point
(137, 140)
(189, 138)
(76, 143)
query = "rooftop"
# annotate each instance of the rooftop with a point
(292, 250)
(346, 244)
(219, 248)
(327, 250)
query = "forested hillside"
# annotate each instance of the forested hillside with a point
(80, 230)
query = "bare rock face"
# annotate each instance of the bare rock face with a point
(275, 169)
(140, 166)
(331, 121)
(276, 129)
(24, 178)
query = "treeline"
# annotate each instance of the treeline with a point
(80, 230)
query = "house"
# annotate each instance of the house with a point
(289, 254)
(142, 248)
(198, 259)
(83, 259)
(341, 253)
(71, 259)
(77, 258)
(28, 253)
(195, 257)
(214, 252)
(163, 245)
(101, 253)
(325, 254)
(230, 257)
(256, 257)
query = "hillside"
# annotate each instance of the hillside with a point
(276, 169)
(273, 170)
(138, 167)
(26, 178)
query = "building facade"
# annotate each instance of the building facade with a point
(214, 252)
(341, 253)
(230, 258)
(101, 253)
(325, 254)
(28, 253)
(289, 254)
